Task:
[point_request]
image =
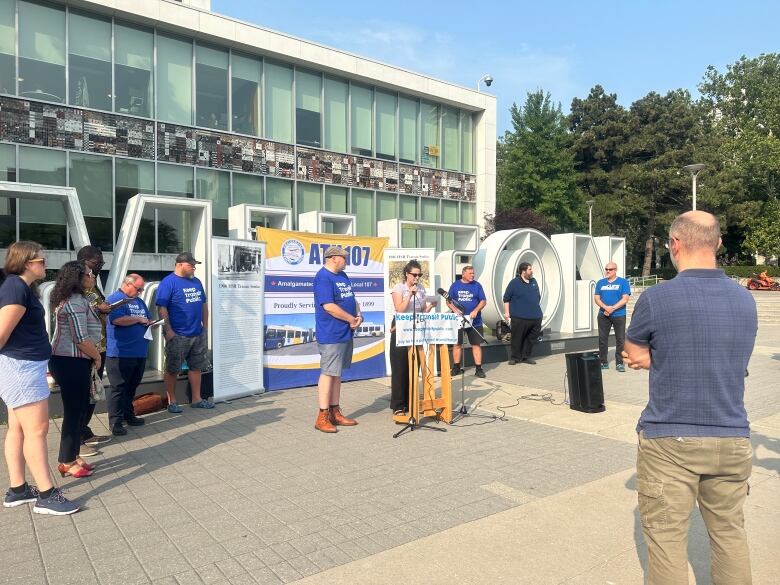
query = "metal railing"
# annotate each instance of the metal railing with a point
(642, 282)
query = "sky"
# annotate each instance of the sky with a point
(630, 47)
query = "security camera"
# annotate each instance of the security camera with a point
(488, 80)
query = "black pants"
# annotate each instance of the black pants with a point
(73, 375)
(524, 334)
(86, 432)
(605, 324)
(125, 375)
(399, 376)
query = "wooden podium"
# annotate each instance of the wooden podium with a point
(429, 402)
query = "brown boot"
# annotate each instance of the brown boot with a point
(339, 419)
(323, 423)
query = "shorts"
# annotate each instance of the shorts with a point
(22, 381)
(335, 357)
(193, 350)
(474, 338)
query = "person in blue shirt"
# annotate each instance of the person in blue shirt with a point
(126, 349)
(469, 294)
(611, 297)
(523, 310)
(337, 316)
(181, 299)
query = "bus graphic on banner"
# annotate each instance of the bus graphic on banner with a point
(279, 336)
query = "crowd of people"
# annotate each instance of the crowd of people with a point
(91, 334)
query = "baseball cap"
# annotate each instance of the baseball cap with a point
(187, 258)
(335, 251)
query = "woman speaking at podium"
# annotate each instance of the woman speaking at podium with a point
(408, 297)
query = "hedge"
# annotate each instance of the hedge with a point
(748, 271)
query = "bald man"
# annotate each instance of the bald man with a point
(611, 296)
(126, 350)
(695, 333)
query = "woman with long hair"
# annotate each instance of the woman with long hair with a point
(408, 297)
(24, 355)
(74, 354)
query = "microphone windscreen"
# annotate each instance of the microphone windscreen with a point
(442, 292)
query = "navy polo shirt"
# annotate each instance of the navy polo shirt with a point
(700, 327)
(523, 298)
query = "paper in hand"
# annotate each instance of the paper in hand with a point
(148, 333)
(119, 303)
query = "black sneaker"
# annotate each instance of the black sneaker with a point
(480, 373)
(12, 499)
(456, 371)
(135, 421)
(56, 505)
(119, 431)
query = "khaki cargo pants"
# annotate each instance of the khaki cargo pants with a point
(673, 473)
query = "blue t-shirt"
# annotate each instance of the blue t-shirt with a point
(184, 299)
(523, 298)
(700, 328)
(126, 341)
(469, 295)
(611, 293)
(333, 288)
(28, 340)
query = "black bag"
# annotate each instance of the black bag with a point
(206, 386)
(503, 331)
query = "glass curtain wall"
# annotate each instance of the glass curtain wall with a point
(133, 77)
(308, 108)
(173, 225)
(308, 197)
(245, 79)
(467, 141)
(92, 176)
(363, 209)
(429, 211)
(89, 62)
(278, 102)
(43, 221)
(215, 185)
(336, 99)
(278, 193)
(451, 131)
(8, 47)
(385, 125)
(7, 206)
(430, 135)
(386, 206)
(449, 214)
(131, 178)
(336, 199)
(407, 209)
(247, 189)
(362, 98)
(174, 80)
(408, 110)
(211, 87)
(41, 51)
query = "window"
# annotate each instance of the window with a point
(92, 176)
(245, 79)
(407, 209)
(408, 110)
(215, 185)
(174, 226)
(467, 141)
(429, 211)
(131, 178)
(361, 120)
(133, 55)
(385, 125)
(363, 209)
(7, 206)
(41, 52)
(386, 207)
(247, 189)
(335, 199)
(278, 193)
(467, 214)
(308, 91)
(449, 214)
(336, 93)
(450, 124)
(211, 88)
(308, 197)
(278, 102)
(430, 135)
(89, 62)
(174, 80)
(8, 48)
(43, 221)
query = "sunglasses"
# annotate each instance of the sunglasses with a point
(415, 274)
(41, 260)
(610, 269)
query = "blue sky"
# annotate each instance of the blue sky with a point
(631, 47)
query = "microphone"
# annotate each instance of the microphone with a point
(455, 303)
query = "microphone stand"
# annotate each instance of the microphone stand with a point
(463, 411)
(414, 403)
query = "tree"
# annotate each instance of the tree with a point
(535, 166)
(763, 233)
(518, 217)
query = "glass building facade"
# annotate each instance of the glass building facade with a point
(115, 108)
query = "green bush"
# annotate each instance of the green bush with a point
(748, 271)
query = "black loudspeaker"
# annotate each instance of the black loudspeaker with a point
(586, 392)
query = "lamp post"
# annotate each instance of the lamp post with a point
(694, 170)
(590, 203)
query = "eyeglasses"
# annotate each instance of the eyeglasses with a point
(138, 288)
(610, 269)
(415, 274)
